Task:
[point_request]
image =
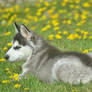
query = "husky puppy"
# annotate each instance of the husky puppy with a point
(47, 62)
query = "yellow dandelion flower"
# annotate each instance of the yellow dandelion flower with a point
(60, 11)
(26, 89)
(59, 32)
(15, 75)
(6, 34)
(69, 21)
(5, 48)
(11, 10)
(86, 4)
(11, 77)
(65, 32)
(85, 51)
(2, 60)
(46, 3)
(58, 36)
(6, 69)
(83, 16)
(44, 28)
(56, 28)
(8, 72)
(90, 49)
(5, 81)
(26, 9)
(9, 44)
(64, 22)
(70, 37)
(16, 79)
(77, 29)
(51, 37)
(35, 19)
(17, 85)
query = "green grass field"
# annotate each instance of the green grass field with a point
(66, 24)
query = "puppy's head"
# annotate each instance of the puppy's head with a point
(21, 48)
(25, 42)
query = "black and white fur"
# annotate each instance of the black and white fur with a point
(47, 62)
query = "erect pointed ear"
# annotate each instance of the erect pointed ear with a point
(24, 31)
(17, 28)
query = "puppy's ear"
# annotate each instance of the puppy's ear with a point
(24, 31)
(17, 27)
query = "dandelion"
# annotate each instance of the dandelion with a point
(2, 60)
(8, 72)
(51, 37)
(58, 36)
(17, 85)
(65, 32)
(85, 51)
(70, 37)
(26, 9)
(15, 75)
(16, 79)
(10, 44)
(86, 4)
(5, 81)
(5, 48)
(26, 89)
(6, 69)
(11, 77)
(6, 34)
(69, 21)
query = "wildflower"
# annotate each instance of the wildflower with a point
(8, 72)
(16, 78)
(56, 28)
(44, 29)
(2, 60)
(85, 51)
(86, 4)
(10, 77)
(26, 9)
(69, 21)
(26, 89)
(58, 36)
(6, 69)
(9, 44)
(17, 85)
(90, 49)
(46, 3)
(77, 29)
(6, 34)
(5, 81)
(83, 16)
(70, 37)
(5, 48)
(15, 75)
(65, 32)
(51, 37)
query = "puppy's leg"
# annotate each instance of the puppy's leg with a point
(23, 74)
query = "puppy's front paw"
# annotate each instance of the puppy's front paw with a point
(20, 76)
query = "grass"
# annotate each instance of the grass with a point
(37, 24)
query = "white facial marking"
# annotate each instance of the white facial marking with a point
(19, 54)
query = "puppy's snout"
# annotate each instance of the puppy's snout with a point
(6, 57)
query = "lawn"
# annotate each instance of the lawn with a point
(65, 24)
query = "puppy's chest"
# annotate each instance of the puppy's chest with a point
(34, 63)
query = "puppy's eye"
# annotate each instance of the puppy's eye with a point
(32, 38)
(17, 47)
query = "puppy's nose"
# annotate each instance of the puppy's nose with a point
(6, 57)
